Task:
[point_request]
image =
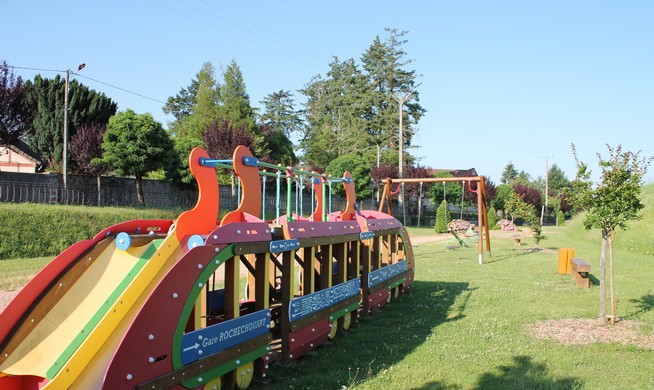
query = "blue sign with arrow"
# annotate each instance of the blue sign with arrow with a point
(218, 337)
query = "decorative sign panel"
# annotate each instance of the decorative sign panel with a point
(284, 245)
(312, 303)
(379, 275)
(218, 337)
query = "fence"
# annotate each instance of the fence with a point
(112, 191)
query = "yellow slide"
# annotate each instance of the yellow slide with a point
(93, 314)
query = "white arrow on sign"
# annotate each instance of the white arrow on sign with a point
(195, 346)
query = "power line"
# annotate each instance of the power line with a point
(252, 41)
(305, 49)
(89, 78)
(122, 89)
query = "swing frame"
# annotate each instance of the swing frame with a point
(482, 212)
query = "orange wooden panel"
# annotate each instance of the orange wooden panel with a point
(202, 219)
(251, 190)
(565, 257)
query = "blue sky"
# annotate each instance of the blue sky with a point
(501, 80)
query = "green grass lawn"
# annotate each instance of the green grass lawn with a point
(464, 326)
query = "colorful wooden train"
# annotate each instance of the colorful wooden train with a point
(203, 303)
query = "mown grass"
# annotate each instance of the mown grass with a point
(464, 326)
(34, 230)
(17, 272)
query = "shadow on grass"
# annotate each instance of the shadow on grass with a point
(374, 343)
(593, 280)
(522, 374)
(510, 254)
(643, 305)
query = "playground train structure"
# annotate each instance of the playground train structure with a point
(202, 302)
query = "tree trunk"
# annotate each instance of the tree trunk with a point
(613, 309)
(139, 191)
(603, 276)
(420, 205)
(99, 186)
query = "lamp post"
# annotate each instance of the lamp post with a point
(65, 146)
(402, 99)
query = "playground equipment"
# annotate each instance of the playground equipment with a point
(202, 303)
(482, 212)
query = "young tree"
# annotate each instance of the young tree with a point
(221, 138)
(85, 146)
(135, 145)
(610, 204)
(516, 207)
(16, 107)
(502, 194)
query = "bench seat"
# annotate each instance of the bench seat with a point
(581, 272)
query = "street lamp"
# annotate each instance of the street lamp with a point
(65, 152)
(401, 100)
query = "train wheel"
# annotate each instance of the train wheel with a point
(244, 375)
(333, 330)
(214, 384)
(345, 321)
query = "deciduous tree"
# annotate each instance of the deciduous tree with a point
(85, 146)
(357, 166)
(16, 106)
(610, 204)
(135, 145)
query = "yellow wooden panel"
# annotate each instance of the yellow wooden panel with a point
(124, 308)
(36, 354)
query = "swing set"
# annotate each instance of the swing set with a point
(482, 212)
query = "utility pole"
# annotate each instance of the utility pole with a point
(65, 145)
(402, 99)
(547, 172)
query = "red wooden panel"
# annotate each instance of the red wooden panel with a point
(377, 299)
(142, 226)
(376, 220)
(235, 232)
(307, 338)
(146, 349)
(308, 229)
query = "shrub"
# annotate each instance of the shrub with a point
(442, 218)
(492, 218)
(560, 218)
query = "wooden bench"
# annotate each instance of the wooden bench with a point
(581, 272)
